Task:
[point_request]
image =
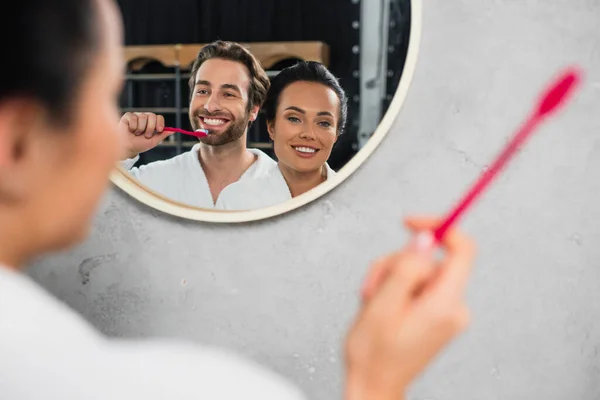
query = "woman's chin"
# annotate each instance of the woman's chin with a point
(305, 167)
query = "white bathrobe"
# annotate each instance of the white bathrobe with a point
(182, 178)
(266, 191)
(49, 352)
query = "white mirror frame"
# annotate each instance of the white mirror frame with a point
(122, 179)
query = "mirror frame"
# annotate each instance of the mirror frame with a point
(123, 180)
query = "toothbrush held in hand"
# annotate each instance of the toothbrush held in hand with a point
(198, 133)
(554, 96)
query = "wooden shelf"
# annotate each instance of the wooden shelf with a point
(154, 77)
(267, 53)
(139, 56)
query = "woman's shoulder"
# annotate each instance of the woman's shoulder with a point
(330, 172)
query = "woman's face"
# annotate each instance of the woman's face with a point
(305, 126)
(69, 166)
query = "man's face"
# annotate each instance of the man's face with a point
(220, 101)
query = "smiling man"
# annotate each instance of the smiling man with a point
(227, 87)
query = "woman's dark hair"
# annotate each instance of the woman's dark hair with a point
(52, 44)
(305, 71)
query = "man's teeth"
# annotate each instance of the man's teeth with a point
(305, 150)
(213, 121)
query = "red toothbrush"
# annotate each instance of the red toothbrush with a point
(552, 98)
(199, 133)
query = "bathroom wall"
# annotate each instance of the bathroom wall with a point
(283, 291)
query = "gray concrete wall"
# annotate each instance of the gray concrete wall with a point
(283, 291)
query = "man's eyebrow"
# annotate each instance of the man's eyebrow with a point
(230, 86)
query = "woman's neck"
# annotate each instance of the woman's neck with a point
(302, 182)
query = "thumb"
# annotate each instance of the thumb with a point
(159, 137)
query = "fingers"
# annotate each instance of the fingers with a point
(131, 120)
(460, 253)
(381, 268)
(376, 275)
(407, 271)
(458, 263)
(150, 125)
(442, 300)
(146, 124)
(160, 123)
(452, 273)
(142, 123)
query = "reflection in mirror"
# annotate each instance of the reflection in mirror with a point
(287, 100)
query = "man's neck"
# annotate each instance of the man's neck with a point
(225, 164)
(302, 182)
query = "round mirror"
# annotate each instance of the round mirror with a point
(272, 118)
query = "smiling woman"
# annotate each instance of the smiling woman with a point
(306, 111)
